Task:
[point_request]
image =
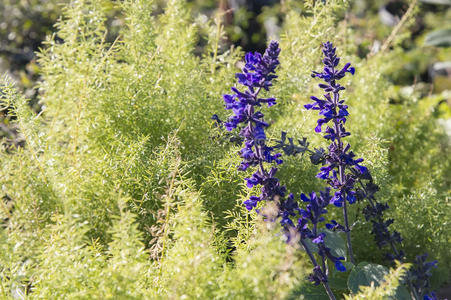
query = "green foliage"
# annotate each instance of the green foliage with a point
(386, 289)
(366, 274)
(265, 262)
(420, 167)
(194, 246)
(439, 38)
(124, 189)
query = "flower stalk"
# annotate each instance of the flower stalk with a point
(257, 75)
(348, 181)
(339, 158)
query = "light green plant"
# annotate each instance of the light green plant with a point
(125, 190)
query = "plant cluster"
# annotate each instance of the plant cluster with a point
(340, 169)
(124, 183)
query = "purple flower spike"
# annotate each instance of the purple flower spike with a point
(349, 181)
(339, 162)
(257, 75)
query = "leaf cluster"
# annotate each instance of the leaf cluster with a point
(124, 190)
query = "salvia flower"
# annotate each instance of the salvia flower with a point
(314, 213)
(349, 181)
(335, 226)
(290, 148)
(333, 112)
(316, 206)
(430, 296)
(419, 275)
(257, 75)
(342, 171)
(374, 212)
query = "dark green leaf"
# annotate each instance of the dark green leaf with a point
(401, 294)
(308, 291)
(439, 38)
(312, 246)
(440, 2)
(338, 282)
(334, 241)
(365, 273)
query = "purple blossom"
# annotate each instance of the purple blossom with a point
(287, 210)
(314, 214)
(290, 148)
(316, 206)
(430, 296)
(335, 226)
(419, 275)
(349, 181)
(374, 212)
(257, 75)
(342, 171)
(339, 162)
(334, 113)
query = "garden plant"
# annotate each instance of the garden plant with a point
(142, 177)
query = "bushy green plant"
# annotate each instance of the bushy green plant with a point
(125, 190)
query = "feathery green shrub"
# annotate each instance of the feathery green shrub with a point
(125, 190)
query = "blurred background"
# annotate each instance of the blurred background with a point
(424, 67)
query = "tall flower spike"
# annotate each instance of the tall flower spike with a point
(342, 172)
(257, 75)
(340, 161)
(313, 213)
(419, 275)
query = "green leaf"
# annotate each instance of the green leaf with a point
(401, 294)
(312, 246)
(440, 2)
(439, 38)
(365, 273)
(308, 291)
(338, 282)
(335, 242)
(348, 265)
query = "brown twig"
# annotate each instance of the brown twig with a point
(397, 28)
